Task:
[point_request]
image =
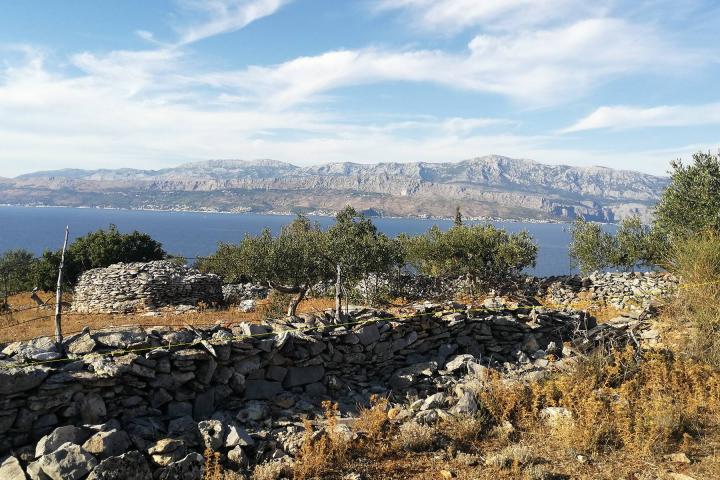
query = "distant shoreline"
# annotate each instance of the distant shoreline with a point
(288, 213)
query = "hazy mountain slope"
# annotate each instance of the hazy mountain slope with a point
(485, 186)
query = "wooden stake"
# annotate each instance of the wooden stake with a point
(58, 294)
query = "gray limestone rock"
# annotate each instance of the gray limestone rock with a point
(61, 435)
(297, 376)
(167, 451)
(128, 466)
(262, 389)
(10, 469)
(212, 433)
(107, 444)
(68, 462)
(190, 467)
(16, 380)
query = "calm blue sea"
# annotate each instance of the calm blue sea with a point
(197, 234)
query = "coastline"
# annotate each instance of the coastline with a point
(289, 213)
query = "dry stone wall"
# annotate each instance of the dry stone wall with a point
(241, 389)
(622, 290)
(130, 287)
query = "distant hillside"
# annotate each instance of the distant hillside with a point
(486, 186)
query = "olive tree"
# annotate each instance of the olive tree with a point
(355, 249)
(691, 202)
(591, 247)
(633, 245)
(483, 254)
(291, 262)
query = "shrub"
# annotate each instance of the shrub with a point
(324, 452)
(696, 261)
(639, 403)
(16, 271)
(415, 437)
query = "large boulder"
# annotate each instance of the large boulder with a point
(68, 462)
(59, 436)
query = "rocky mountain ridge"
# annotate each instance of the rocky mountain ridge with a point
(484, 186)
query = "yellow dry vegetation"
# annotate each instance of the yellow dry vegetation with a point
(624, 415)
(32, 321)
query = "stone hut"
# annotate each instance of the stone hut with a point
(131, 287)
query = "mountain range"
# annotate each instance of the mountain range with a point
(489, 186)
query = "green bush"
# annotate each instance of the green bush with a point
(16, 272)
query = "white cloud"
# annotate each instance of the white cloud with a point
(536, 67)
(224, 16)
(625, 117)
(449, 16)
(161, 106)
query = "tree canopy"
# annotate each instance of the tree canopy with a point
(16, 271)
(355, 249)
(97, 249)
(633, 245)
(291, 262)
(691, 202)
(484, 254)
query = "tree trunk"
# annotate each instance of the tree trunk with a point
(292, 308)
(338, 294)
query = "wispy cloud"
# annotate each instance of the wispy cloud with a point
(541, 67)
(166, 104)
(224, 16)
(449, 16)
(625, 117)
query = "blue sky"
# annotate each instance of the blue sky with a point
(151, 84)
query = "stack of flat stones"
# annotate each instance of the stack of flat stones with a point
(236, 293)
(623, 290)
(133, 287)
(157, 397)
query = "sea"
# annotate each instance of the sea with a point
(196, 234)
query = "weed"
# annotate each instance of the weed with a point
(321, 451)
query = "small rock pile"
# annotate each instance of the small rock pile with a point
(623, 290)
(131, 287)
(236, 293)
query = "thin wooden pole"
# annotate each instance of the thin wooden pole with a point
(58, 293)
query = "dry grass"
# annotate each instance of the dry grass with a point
(25, 324)
(626, 413)
(321, 451)
(274, 470)
(601, 311)
(696, 312)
